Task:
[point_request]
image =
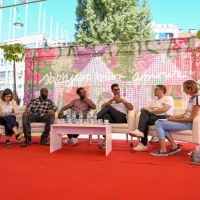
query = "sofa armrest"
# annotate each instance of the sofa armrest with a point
(131, 119)
(137, 118)
(196, 130)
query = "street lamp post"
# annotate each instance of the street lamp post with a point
(18, 24)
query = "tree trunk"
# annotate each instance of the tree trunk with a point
(14, 74)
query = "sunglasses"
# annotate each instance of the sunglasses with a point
(116, 89)
(157, 89)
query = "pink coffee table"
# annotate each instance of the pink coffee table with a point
(58, 129)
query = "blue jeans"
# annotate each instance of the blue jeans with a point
(163, 127)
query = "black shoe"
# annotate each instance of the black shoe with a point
(26, 143)
(45, 142)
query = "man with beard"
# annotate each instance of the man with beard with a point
(82, 104)
(40, 109)
(115, 110)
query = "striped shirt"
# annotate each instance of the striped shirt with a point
(41, 106)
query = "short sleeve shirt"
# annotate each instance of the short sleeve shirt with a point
(79, 105)
(159, 103)
(120, 106)
(192, 102)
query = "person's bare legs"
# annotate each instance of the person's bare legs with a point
(171, 141)
(162, 146)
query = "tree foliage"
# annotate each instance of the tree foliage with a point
(13, 52)
(108, 21)
(198, 33)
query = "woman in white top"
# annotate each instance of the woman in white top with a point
(8, 108)
(178, 122)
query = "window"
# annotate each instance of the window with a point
(2, 74)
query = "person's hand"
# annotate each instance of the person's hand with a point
(115, 98)
(27, 112)
(60, 114)
(52, 113)
(170, 118)
(2, 114)
(120, 100)
(85, 98)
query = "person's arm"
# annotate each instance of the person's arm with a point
(52, 109)
(29, 108)
(90, 103)
(164, 109)
(194, 113)
(108, 102)
(63, 109)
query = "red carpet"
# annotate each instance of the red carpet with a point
(84, 172)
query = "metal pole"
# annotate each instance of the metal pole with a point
(39, 17)
(26, 20)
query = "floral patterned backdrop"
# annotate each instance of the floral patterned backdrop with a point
(136, 67)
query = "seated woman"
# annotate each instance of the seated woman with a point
(8, 108)
(179, 122)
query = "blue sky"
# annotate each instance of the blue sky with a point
(182, 13)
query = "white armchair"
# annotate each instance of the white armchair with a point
(192, 136)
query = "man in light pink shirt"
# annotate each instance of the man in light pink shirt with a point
(82, 104)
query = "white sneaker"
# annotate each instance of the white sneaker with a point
(140, 147)
(66, 141)
(74, 141)
(136, 133)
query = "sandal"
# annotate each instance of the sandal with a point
(8, 143)
(19, 138)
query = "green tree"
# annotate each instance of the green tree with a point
(198, 33)
(14, 53)
(108, 21)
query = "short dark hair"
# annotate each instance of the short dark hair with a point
(7, 91)
(114, 85)
(43, 89)
(79, 89)
(162, 87)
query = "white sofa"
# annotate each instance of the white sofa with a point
(39, 127)
(35, 127)
(192, 136)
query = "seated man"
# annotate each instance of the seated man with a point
(158, 108)
(40, 109)
(115, 110)
(82, 104)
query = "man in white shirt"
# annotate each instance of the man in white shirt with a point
(116, 109)
(158, 108)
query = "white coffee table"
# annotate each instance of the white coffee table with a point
(58, 129)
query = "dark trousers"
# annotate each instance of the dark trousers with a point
(147, 119)
(113, 115)
(28, 119)
(9, 122)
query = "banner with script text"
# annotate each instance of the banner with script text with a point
(137, 67)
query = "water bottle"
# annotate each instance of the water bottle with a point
(81, 117)
(95, 117)
(88, 117)
(68, 117)
(73, 117)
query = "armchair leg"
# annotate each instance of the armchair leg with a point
(98, 139)
(90, 139)
(127, 137)
(131, 142)
(197, 146)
